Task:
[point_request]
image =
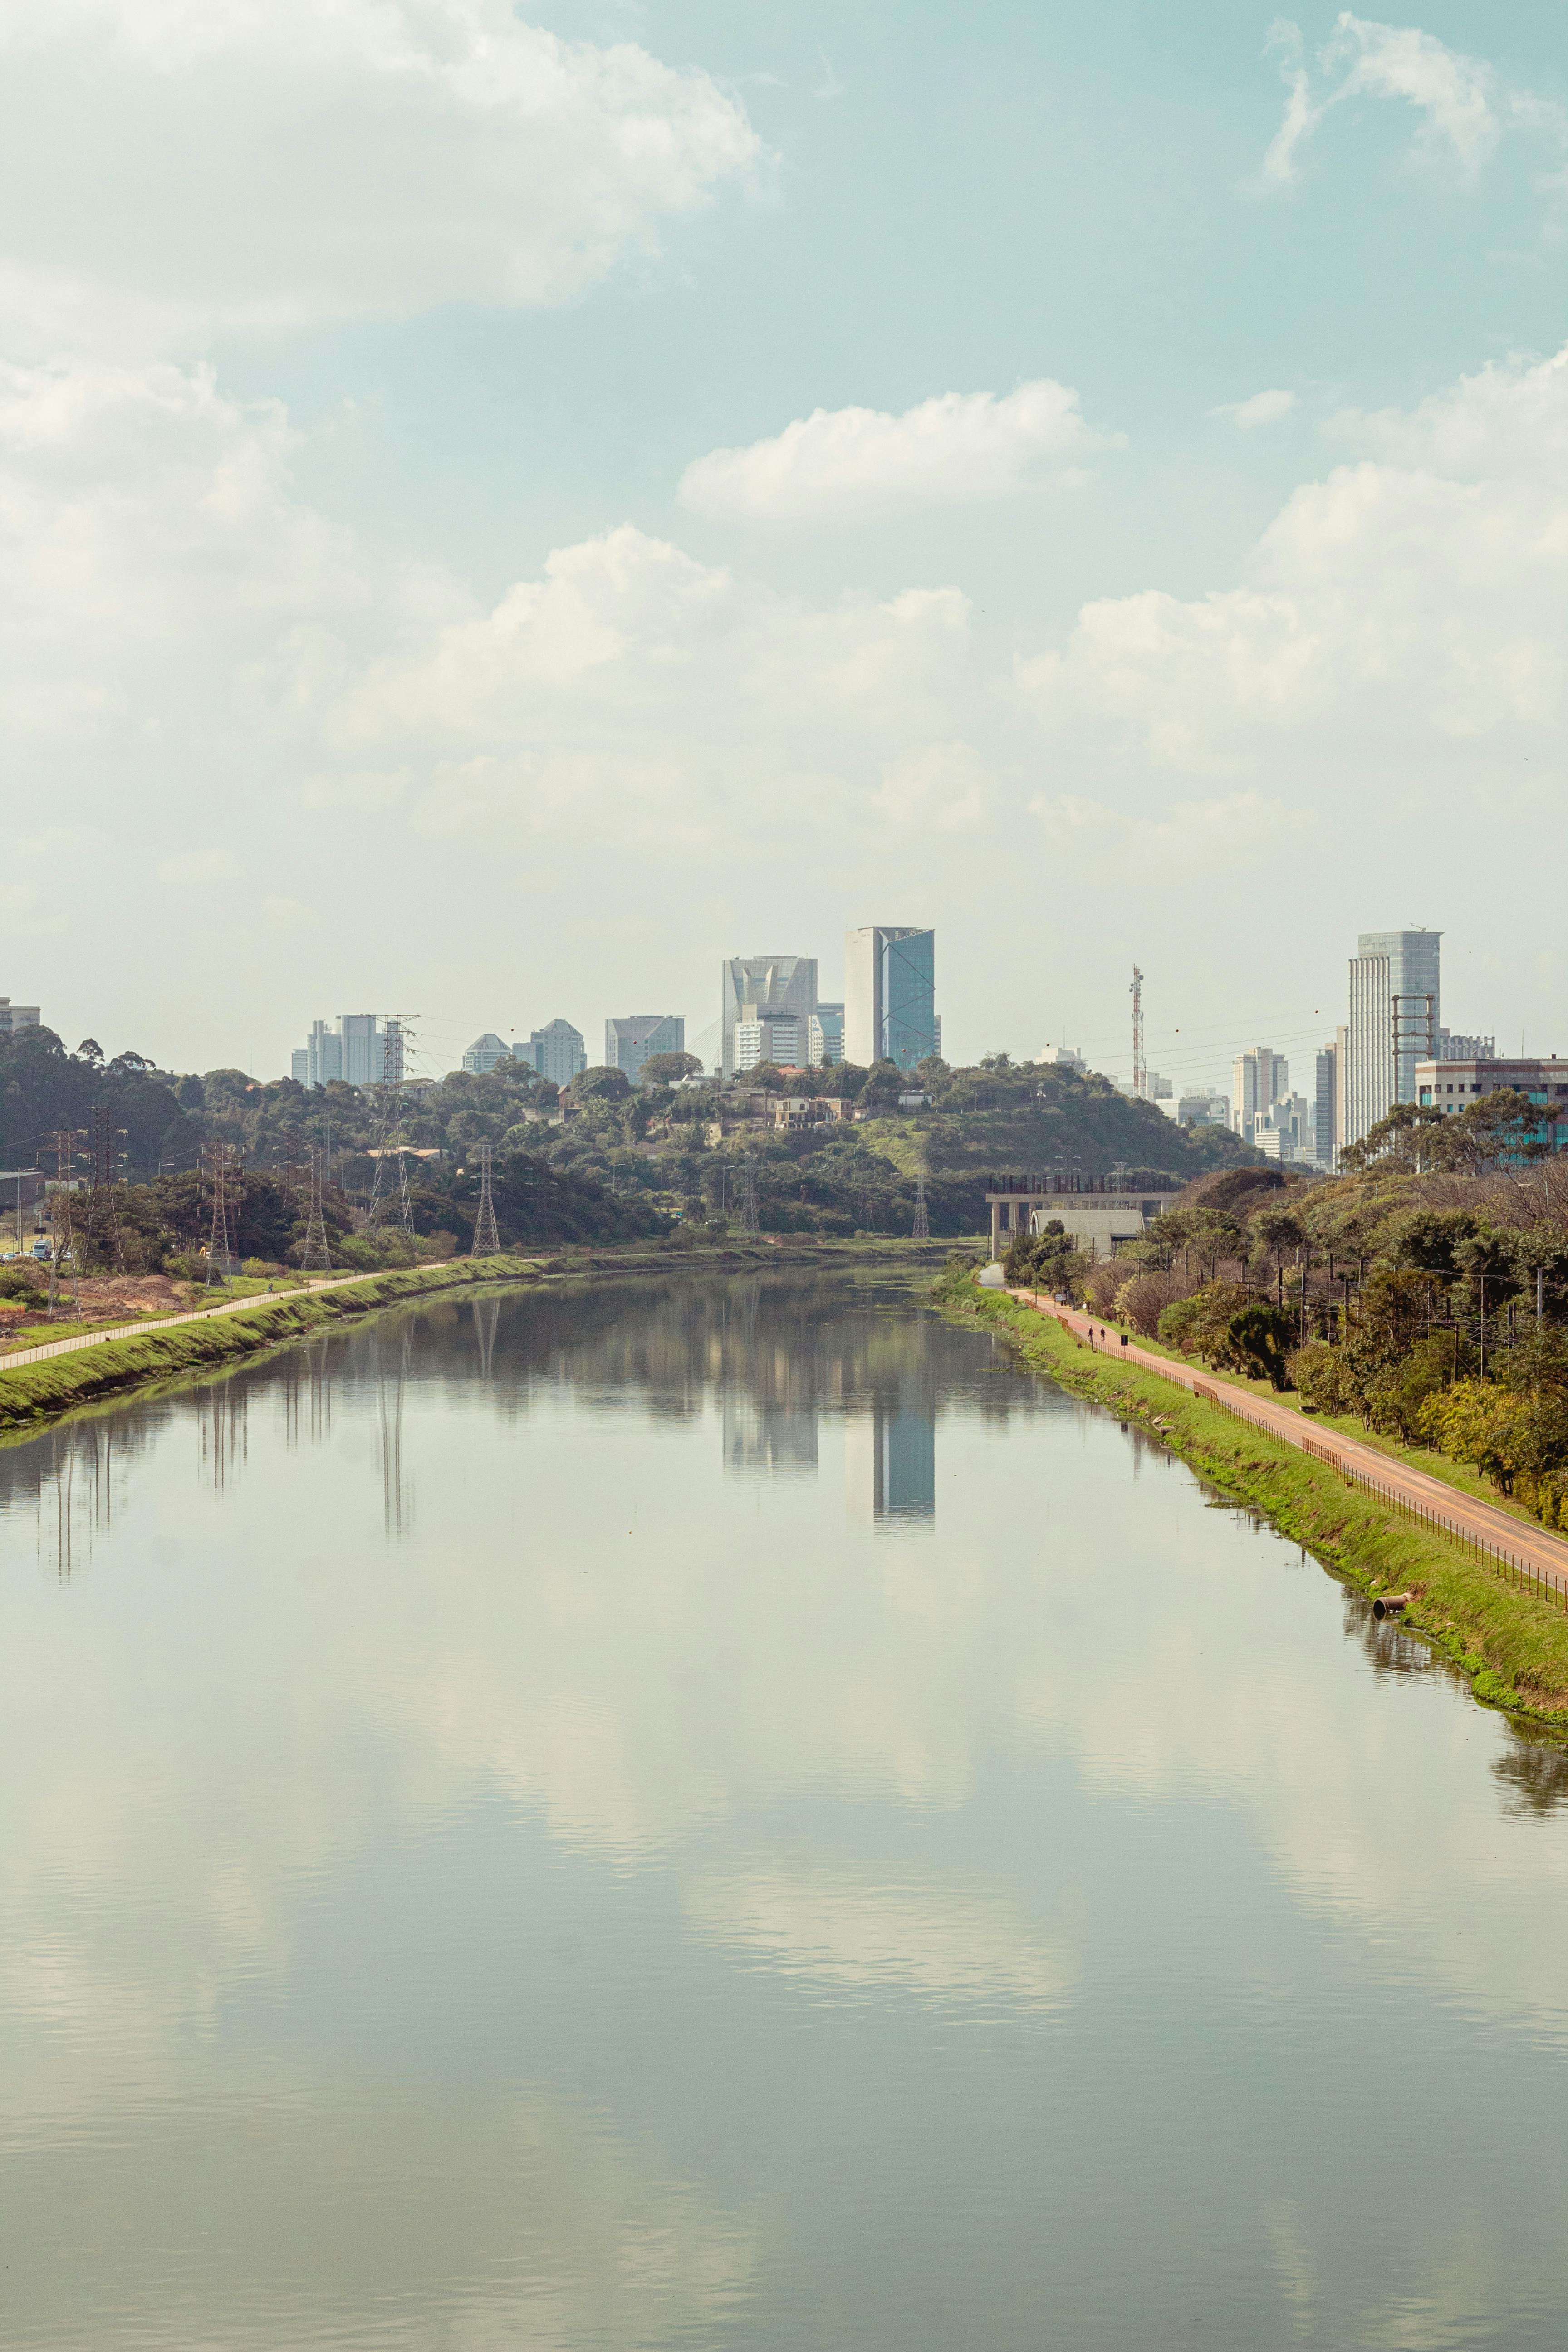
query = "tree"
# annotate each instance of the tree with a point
(600, 1084)
(666, 1069)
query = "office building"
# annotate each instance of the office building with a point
(1453, 1085)
(633, 1038)
(755, 988)
(485, 1053)
(1393, 1020)
(360, 1051)
(1257, 1079)
(1061, 1058)
(825, 1037)
(558, 1052)
(889, 996)
(16, 1017)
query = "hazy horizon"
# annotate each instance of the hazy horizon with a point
(507, 510)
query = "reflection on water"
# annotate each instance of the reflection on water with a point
(527, 1826)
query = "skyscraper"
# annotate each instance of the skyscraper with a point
(1258, 1080)
(773, 991)
(359, 1050)
(632, 1038)
(890, 995)
(1394, 1011)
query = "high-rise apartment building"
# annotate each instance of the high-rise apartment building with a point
(558, 1052)
(767, 989)
(1393, 1022)
(484, 1054)
(16, 1017)
(634, 1038)
(1326, 1094)
(890, 995)
(360, 1051)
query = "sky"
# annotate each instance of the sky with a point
(505, 507)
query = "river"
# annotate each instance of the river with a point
(726, 1815)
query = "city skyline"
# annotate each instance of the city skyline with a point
(718, 529)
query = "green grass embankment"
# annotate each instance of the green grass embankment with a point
(30, 1393)
(1512, 1644)
(33, 1393)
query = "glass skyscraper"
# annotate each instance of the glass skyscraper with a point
(889, 1005)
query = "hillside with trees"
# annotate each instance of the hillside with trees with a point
(604, 1159)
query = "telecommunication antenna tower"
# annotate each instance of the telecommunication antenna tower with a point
(315, 1254)
(1140, 1067)
(487, 1241)
(920, 1230)
(749, 1220)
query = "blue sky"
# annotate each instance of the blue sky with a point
(387, 631)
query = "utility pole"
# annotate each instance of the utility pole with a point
(920, 1230)
(1140, 1068)
(748, 1221)
(487, 1241)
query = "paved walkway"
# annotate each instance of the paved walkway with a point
(1538, 1554)
(166, 1322)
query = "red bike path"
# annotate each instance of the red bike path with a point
(1544, 1557)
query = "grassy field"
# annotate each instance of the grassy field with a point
(1512, 1644)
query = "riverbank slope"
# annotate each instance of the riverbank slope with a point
(91, 1370)
(1512, 1644)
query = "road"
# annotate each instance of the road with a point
(1545, 1556)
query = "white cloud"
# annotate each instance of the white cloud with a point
(353, 157)
(1457, 97)
(1402, 610)
(960, 444)
(1263, 408)
(146, 520)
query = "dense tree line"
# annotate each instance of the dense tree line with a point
(1422, 1291)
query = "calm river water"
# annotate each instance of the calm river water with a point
(726, 1815)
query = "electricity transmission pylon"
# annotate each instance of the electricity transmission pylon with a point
(920, 1230)
(395, 1039)
(315, 1254)
(750, 1222)
(487, 1241)
(218, 1248)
